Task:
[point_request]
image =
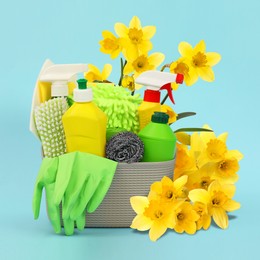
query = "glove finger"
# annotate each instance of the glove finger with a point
(91, 184)
(72, 194)
(53, 210)
(65, 168)
(37, 197)
(68, 226)
(47, 174)
(100, 193)
(81, 221)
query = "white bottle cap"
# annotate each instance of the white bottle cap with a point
(82, 95)
(59, 89)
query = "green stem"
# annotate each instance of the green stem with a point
(165, 98)
(165, 66)
(122, 64)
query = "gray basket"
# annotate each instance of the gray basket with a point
(130, 180)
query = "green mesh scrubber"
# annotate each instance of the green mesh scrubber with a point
(118, 104)
(49, 126)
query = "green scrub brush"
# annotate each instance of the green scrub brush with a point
(49, 126)
(119, 106)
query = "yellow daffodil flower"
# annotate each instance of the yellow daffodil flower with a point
(94, 73)
(110, 44)
(152, 215)
(200, 179)
(199, 61)
(139, 64)
(185, 163)
(180, 67)
(136, 38)
(218, 199)
(210, 149)
(204, 220)
(170, 112)
(128, 82)
(186, 218)
(168, 191)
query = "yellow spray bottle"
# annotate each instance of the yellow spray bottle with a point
(84, 123)
(154, 82)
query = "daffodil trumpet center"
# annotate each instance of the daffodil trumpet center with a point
(199, 60)
(135, 35)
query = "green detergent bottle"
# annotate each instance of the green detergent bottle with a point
(158, 138)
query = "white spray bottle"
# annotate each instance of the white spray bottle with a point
(58, 75)
(154, 82)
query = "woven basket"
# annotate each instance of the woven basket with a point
(129, 180)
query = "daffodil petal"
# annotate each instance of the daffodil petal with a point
(206, 73)
(223, 137)
(235, 154)
(200, 47)
(180, 182)
(135, 23)
(192, 78)
(115, 53)
(220, 217)
(121, 30)
(174, 86)
(145, 46)
(148, 32)
(207, 222)
(94, 69)
(156, 231)
(138, 86)
(139, 203)
(157, 187)
(213, 58)
(156, 59)
(231, 205)
(128, 68)
(190, 228)
(108, 34)
(141, 223)
(185, 49)
(214, 186)
(106, 71)
(183, 138)
(229, 190)
(199, 195)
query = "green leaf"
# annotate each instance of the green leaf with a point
(193, 129)
(185, 114)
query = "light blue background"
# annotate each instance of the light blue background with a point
(68, 32)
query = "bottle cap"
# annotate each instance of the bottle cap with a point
(160, 117)
(82, 94)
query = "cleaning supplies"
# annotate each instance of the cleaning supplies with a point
(159, 139)
(84, 123)
(125, 147)
(118, 104)
(49, 126)
(54, 80)
(79, 180)
(155, 81)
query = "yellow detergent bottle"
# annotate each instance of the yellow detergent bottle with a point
(84, 123)
(154, 82)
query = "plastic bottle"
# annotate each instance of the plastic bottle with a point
(54, 80)
(154, 82)
(159, 139)
(84, 123)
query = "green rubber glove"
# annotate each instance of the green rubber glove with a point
(82, 183)
(46, 179)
